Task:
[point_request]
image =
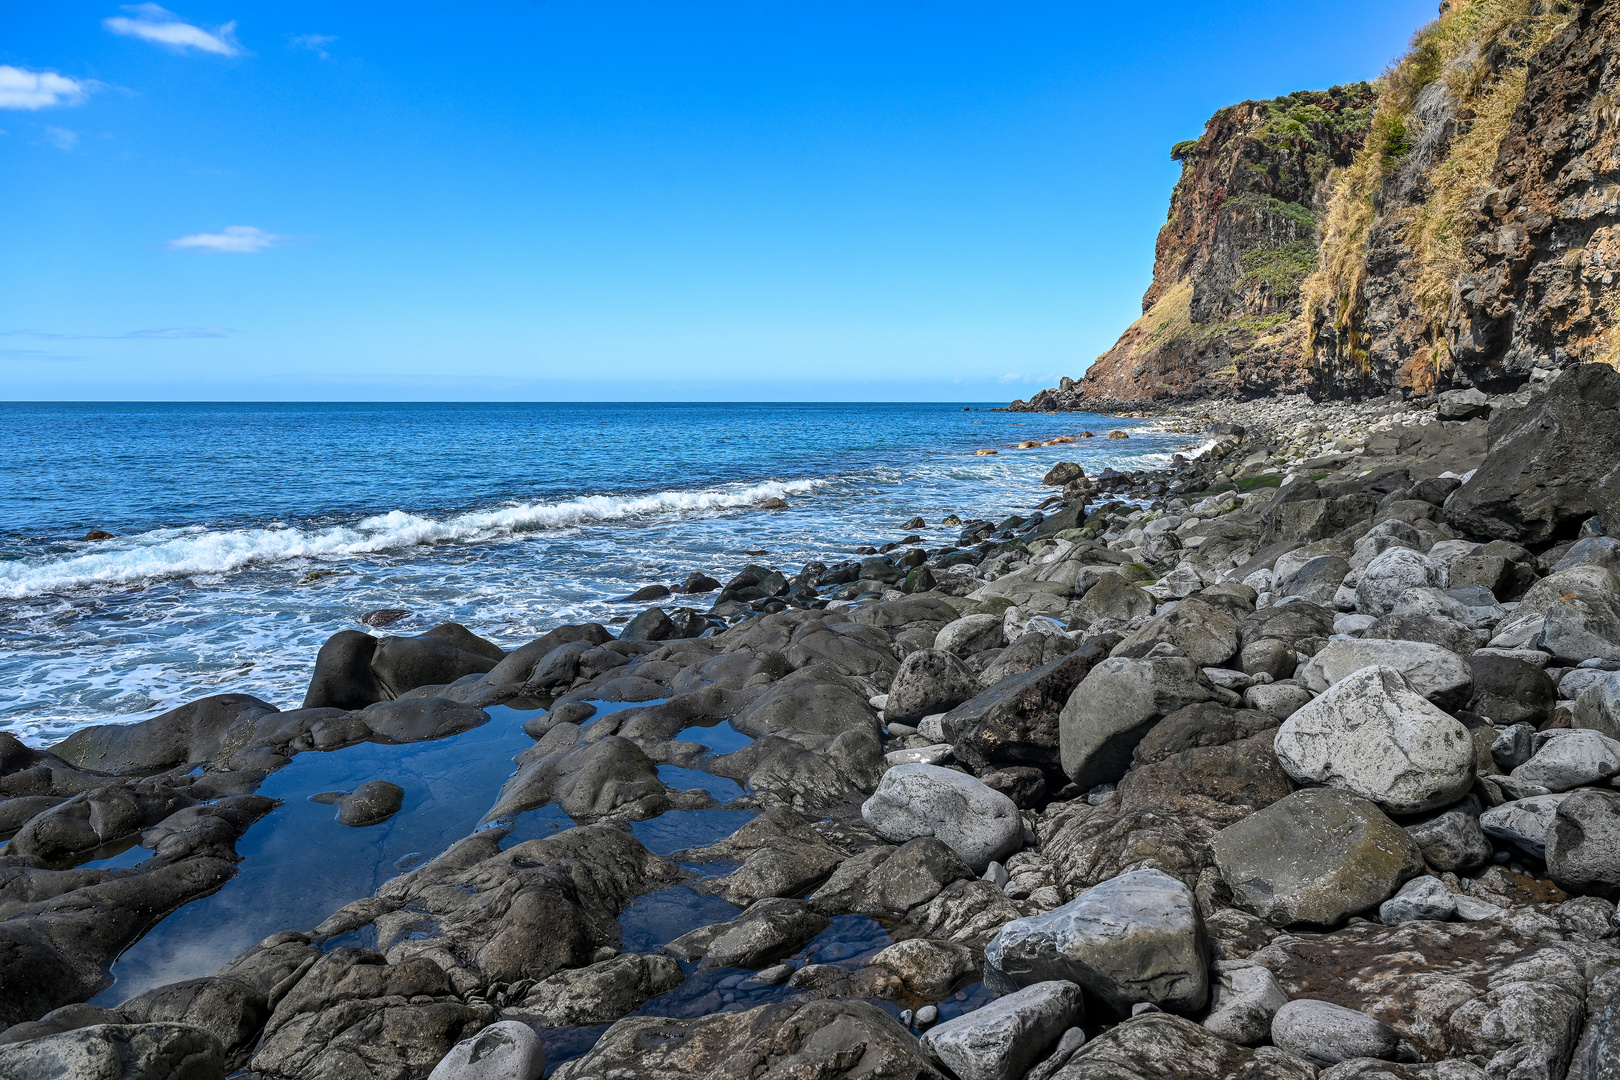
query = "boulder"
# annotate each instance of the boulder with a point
(1116, 705)
(930, 969)
(1543, 458)
(373, 802)
(1244, 996)
(1462, 404)
(1523, 822)
(1135, 938)
(768, 931)
(343, 678)
(599, 993)
(587, 781)
(1315, 857)
(1583, 844)
(192, 734)
(1328, 1034)
(1598, 706)
(436, 658)
(1159, 1046)
(828, 1040)
(929, 681)
(1453, 839)
(1317, 580)
(1205, 632)
(971, 634)
(117, 1052)
(1112, 597)
(504, 1051)
(1441, 676)
(1016, 722)
(978, 823)
(1001, 1040)
(1448, 634)
(1384, 580)
(1570, 759)
(1510, 691)
(1374, 734)
(1578, 629)
(1421, 898)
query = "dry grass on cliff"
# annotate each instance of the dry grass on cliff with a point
(1485, 97)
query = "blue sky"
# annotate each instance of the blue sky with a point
(589, 199)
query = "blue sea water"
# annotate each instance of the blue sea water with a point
(508, 518)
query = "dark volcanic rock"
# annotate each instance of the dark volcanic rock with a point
(196, 732)
(1015, 722)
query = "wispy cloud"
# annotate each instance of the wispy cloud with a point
(234, 239)
(315, 43)
(162, 27)
(1048, 379)
(61, 138)
(24, 89)
(170, 332)
(33, 354)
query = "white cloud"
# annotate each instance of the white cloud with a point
(61, 138)
(161, 27)
(315, 43)
(236, 239)
(24, 89)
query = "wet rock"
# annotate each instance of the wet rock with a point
(504, 1051)
(885, 882)
(371, 803)
(1137, 937)
(1116, 705)
(1244, 996)
(588, 781)
(1568, 433)
(1329, 1033)
(418, 719)
(829, 1040)
(1374, 734)
(519, 667)
(1509, 691)
(231, 1009)
(1161, 1046)
(383, 616)
(1316, 857)
(354, 1014)
(1016, 722)
(440, 656)
(117, 1052)
(782, 856)
(651, 625)
(1583, 844)
(979, 824)
(1441, 676)
(929, 969)
(200, 731)
(72, 828)
(929, 681)
(1523, 822)
(343, 678)
(765, 933)
(1570, 759)
(1001, 1040)
(600, 993)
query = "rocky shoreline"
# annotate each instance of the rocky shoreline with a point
(1296, 760)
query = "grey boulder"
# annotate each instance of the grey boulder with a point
(1375, 734)
(1135, 938)
(929, 681)
(971, 634)
(1598, 706)
(1583, 845)
(1315, 857)
(1453, 839)
(1438, 674)
(1328, 1034)
(117, 1052)
(974, 820)
(1115, 706)
(1570, 759)
(506, 1050)
(1421, 898)
(1523, 822)
(371, 803)
(1004, 1038)
(1384, 580)
(1243, 998)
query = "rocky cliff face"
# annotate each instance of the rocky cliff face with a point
(1471, 236)
(1221, 316)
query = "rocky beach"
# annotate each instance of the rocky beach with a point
(1293, 760)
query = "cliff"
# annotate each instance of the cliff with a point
(1463, 231)
(1221, 316)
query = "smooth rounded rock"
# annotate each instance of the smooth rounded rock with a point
(1420, 898)
(1244, 996)
(1583, 844)
(1523, 822)
(1571, 758)
(506, 1050)
(1441, 676)
(1328, 1034)
(977, 822)
(371, 803)
(971, 634)
(929, 681)
(1114, 707)
(1138, 937)
(1374, 734)
(1389, 575)
(1001, 1040)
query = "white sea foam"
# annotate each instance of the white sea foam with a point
(172, 553)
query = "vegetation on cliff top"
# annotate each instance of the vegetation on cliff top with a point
(1477, 54)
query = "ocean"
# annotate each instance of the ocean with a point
(248, 533)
